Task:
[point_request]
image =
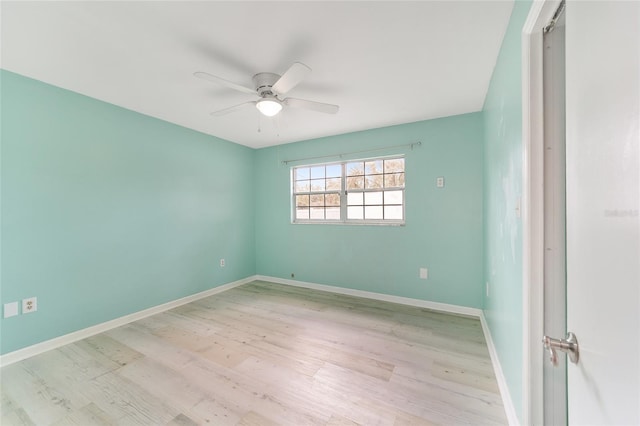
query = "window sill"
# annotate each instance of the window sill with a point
(342, 223)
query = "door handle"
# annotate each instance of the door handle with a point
(569, 345)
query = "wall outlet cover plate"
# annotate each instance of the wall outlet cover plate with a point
(424, 273)
(29, 305)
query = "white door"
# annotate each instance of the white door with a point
(603, 203)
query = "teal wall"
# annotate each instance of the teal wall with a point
(443, 229)
(502, 190)
(106, 211)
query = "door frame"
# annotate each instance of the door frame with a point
(540, 14)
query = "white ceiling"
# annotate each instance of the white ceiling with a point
(384, 63)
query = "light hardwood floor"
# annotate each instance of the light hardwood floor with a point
(265, 354)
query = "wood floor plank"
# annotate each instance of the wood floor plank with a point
(405, 419)
(90, 414)
(467, 375)
(164, 383)
(182, 420)
(45, 386)
(214, 412)
(107, 351)
(254, 419)
(476, 406)
(128, 402)
(140, 340)
(427, 376)
(346, 382)
(324, 351)
(16, 417)
(341, 421)
(265, 354)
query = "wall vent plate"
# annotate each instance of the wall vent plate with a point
(10, 309)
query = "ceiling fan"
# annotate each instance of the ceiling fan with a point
(270, 88)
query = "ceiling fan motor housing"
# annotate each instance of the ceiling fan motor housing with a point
(263, 83)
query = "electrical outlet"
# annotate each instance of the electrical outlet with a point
(440, 182)
(10, 309)
(424, 273)
(29, 305)
(222, 263)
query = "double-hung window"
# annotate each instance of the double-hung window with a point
(357, 191)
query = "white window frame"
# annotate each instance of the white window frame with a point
(343, 193)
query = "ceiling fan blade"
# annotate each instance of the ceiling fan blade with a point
(290, 79)
(315, 106)
(231, 84)
(231, 109)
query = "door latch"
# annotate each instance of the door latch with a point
(569, 345)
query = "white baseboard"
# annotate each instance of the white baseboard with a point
(509, 409)
(57, 342)
(436, 306)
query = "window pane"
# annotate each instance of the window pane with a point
(373, 167)
(374, 181)
(334, 170)
(332, 199)
(394, 180)
(393, 197)
(395, 165)
(355, 182)
(355, 169)
(374, 191)
(302, 173)
(371, 198)
(302, 200)
(317, 200)
(355, 198)
(302, 186)
(317, 172)
(316, 213)
(317, 185)
(355, 213)
(334, 184)
(393, 212)
(333, 213)
(373, 212)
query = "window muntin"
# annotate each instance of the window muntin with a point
(357, 191)
(317, 192)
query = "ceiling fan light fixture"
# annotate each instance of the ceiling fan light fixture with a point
(269, 106)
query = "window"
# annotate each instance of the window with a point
(358, 191)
